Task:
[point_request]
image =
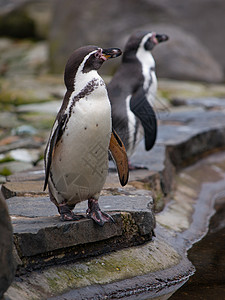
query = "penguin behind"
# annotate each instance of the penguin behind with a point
(132, 91)
(76, 155)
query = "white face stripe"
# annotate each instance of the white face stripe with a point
(80, 69)
(81, 79)
(147, 61)
(144, 40)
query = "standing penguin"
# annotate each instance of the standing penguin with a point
(132, 91)
(76, 156)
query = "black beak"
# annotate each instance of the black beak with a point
(111, 52)
(161, 37)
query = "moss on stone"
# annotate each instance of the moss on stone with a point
(6, 159)
(5, 172)
(15, 98)
(129, 225)
(120, 265)
(159, 201)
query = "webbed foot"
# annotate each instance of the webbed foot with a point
(66, 213)
(96, 214)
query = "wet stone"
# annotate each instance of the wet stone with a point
(205, 102)
(152, 160)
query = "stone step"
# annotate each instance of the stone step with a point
(41, 239)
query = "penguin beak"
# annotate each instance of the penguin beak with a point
(111, 53)
(161, 37)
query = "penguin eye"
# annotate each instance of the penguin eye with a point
(94, 62)
(98, 53)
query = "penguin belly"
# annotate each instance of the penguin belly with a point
(135, 130)
(136, 136)
(80, 163)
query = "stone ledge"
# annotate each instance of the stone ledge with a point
(41, 239)
(178, 144)
(37, 230)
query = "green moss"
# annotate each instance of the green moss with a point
(53, 283)
(120, 265)
(15, 98)
(159, 202)
(5, 172)
(6, 159)
(164, 94)
(130, 228)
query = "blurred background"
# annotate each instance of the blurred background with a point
(196, 30)
(37, 37)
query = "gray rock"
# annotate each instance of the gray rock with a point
(10, 5)
(14, 166)
(85, 20)
(8, 120)
(23, 58)
(2, 179)
(205, 102)
(51, 107)
(26, 13)
(27, 142)
(38, 231)
(184, 57)
(7, 267)
(26, 155)
(24, 130)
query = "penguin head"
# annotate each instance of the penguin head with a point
(86, 59)
(142, 39)
(153, 39)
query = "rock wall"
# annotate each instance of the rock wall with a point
(7, 267)
(194, 52)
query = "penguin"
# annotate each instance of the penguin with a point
(132, 92)
(76, 155)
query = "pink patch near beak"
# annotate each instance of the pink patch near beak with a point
(154, 39)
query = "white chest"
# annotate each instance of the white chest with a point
(148, 71)
(81, 159)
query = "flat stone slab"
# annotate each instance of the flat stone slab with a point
(32, 207)
(41, 238)
(207, 103)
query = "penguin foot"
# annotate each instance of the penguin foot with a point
(94, 212)
(66, 213)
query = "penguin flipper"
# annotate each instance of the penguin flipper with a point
(53, 141)
(117, 149)
(140, 106)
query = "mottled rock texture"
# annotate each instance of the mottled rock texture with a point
(7, 267)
